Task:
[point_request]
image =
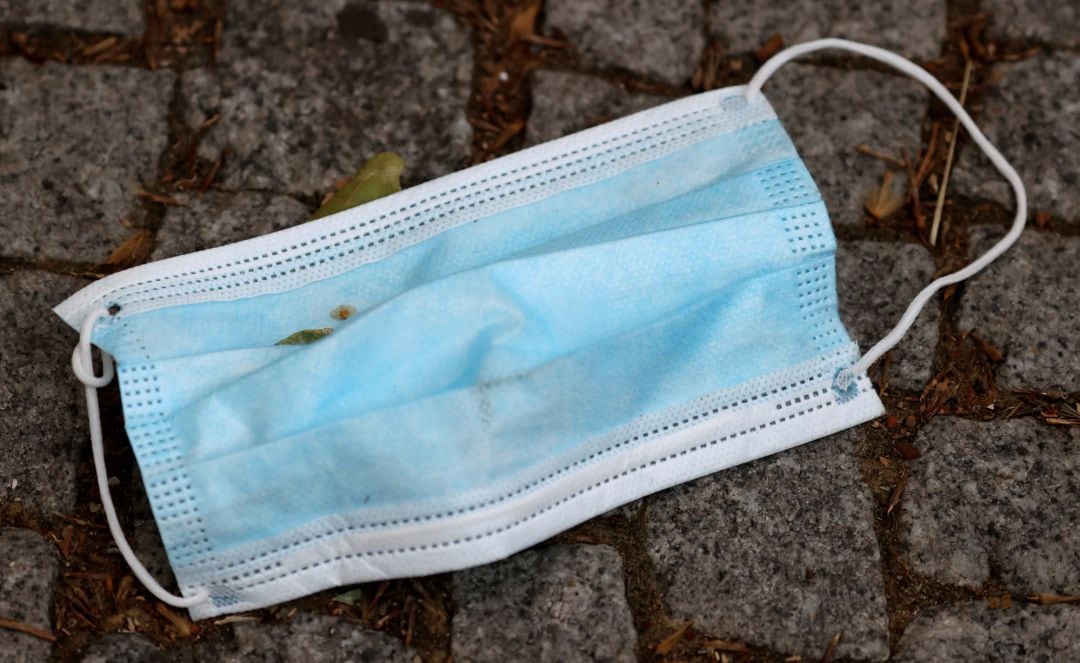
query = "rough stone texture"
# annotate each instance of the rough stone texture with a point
(29, 567)
(1022, 305)
(915, 28)
(659, 39)
(876, 282)
(1030, 115)
(830, 111)
(214, 219)
(972, 632)
(147, 543)
(123, 648)
(118, 16)
(304, 639)
(1049, 21)
(563, 603)
(75, 144)
(42, 420)
(780, 551)
(307, 91)
(564, 102)
(995, 497)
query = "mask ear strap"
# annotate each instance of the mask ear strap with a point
(82, 363)
(753, 91)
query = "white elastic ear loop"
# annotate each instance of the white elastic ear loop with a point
(753, 89)
(82, 363)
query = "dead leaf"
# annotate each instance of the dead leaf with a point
(184, 627)
(523, 25)
(898, 491)
(135, 250)
(991, 352)
(770, 48)
(668, 643)
(726, 645)
(885, 200)
(830, 650)
(1042, 219)
(906, 450)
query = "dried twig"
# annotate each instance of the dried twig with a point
(1049, 599)
(936, 223)
(26, 628)
(870, 152)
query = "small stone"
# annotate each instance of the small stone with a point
(564, 102)
(29, 569)
(1052, 22)
(997, 495)
(781, 550)
(125, 17)
(123, 648)
(308, 91)
(214, 219)
(42, 419)
(75, 145)
(830, 111)
(560, 603)
(915, 29)
(657, 39)
(972, 632)
(1030, 116)
(1021, 304)
(305, 638)
(876, 281)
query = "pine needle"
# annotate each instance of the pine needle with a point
(936, 223)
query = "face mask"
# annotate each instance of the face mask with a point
(536, 340)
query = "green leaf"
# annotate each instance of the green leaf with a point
(305, 336)
(380, 176)
(351, 597)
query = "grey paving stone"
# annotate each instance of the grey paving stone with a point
(307, 91)
(876, 282)
(915, 29)
(1030, 115)
(75, 144)
(146, 541)
(305, 638)
(29, 567)
(42, 418)
(830, 111)
(1021, 304)
(562, 603)
(565, 102)
(1049, 21)
(659, 39)
(971, 632)
(995, 497)
(119, 16)
(123, 648)
(780, 551)
(214, 219)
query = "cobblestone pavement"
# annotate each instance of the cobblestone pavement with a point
(945, 530)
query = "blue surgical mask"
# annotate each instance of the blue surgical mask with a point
(529, 343)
